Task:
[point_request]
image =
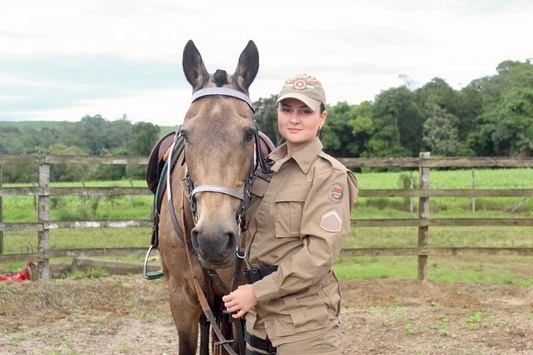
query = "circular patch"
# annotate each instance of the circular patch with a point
(300, 84)
(336, 192)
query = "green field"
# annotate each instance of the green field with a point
(502, 269)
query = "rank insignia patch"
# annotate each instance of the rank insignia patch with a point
(331, 221)
(336, 192)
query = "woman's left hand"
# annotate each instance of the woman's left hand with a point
(240, 301)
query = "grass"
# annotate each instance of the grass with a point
(449, 179)
(369, 267)
(25, 242)
(90, 273)
(452, 179)
(23, 208)
(65, 208)
(407, 237)
(501, 269)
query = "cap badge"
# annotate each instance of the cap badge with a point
(300, 84)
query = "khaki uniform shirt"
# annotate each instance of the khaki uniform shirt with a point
(298, 221)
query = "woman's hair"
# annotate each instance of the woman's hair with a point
(322, 107)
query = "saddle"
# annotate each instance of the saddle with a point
(157, 159)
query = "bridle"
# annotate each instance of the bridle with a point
(244, 196)
(191, 190)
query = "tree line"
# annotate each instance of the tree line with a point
(492, 116)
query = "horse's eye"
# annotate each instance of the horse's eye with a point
(249, 135)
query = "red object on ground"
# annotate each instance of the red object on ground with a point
(19, 276)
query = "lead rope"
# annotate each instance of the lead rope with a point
(202, 298)
(239, 322)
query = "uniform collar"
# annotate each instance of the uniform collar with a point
(304, 157)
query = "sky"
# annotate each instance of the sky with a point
(63, 59)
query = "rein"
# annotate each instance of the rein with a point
(203, 300)
(190, 193)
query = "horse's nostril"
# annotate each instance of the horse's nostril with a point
(214, 246)
(194, 239)
(231, 240)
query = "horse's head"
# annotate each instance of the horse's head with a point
(219, 132)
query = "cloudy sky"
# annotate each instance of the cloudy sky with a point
(63, 59)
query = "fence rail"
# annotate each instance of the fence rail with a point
(423, 193)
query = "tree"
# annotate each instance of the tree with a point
(397, 124)
(10, 143)
(266, 117)
(347, 129)
(361, 125)
(439, 92)
(505, 125)
(117, 133)
(511, 123)
(67, 172)
(465, 105)
(440, 130)
(144, 136)
(470, 107)
(336, 135)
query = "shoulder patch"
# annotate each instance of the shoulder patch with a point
(336, 192)
(331, 221)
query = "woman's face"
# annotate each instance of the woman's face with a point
(298, 124)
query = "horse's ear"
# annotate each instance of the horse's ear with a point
(193, 66)
(247, 67)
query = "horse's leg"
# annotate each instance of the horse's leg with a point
(204, 335)
(186, 317)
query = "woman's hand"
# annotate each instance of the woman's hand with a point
(240, 301)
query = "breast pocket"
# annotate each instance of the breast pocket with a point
(289, 208)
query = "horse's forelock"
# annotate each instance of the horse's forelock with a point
(220, 78)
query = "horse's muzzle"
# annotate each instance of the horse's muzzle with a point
(215, 250)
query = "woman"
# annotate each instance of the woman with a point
(296, 224)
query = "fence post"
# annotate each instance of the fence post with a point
(411, 199)
(44, 218)
(473, 188)
(1, 213)
(423, 215)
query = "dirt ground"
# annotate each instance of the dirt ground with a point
(130, 315)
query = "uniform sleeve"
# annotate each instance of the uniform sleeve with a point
(324, 226)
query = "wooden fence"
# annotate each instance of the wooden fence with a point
(423, 193)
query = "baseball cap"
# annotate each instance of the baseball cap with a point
(305, 88)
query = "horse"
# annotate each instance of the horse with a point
(207, 184)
